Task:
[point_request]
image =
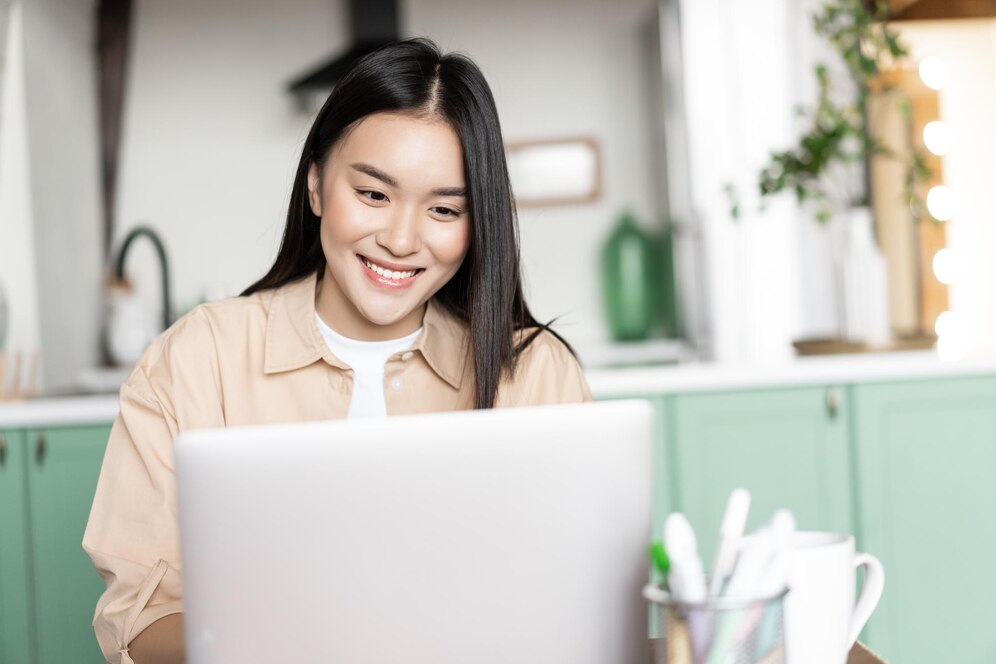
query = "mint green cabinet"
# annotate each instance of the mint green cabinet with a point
(48, 587)
(15, 591)
(63, 468)
(788, 447)
(926, 457)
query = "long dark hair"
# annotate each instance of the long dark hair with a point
(486, 292)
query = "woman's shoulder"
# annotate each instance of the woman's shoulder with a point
(542, 342)
(190, 351)
(546, 372)
(206, 325)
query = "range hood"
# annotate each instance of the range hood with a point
(373, 23)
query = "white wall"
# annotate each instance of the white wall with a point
(968, 105)
(562, 68)
(59, 132)
(17, 260)
(738, 79)
(211, 139)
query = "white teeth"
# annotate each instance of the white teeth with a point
(389, 274)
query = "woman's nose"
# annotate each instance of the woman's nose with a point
(401, 235)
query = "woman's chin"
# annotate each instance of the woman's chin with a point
(388, 317)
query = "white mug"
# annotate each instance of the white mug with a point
(822, 619)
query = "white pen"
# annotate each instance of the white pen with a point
(774, 578)
(730, 531)
(765, 560)
(686, 580)
(755, 555)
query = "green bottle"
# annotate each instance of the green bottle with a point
(628, 281)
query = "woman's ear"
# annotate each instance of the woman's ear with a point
(314, 190)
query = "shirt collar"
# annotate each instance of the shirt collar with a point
(293, 340)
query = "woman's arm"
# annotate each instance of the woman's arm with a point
(160, 643)
(133, 532)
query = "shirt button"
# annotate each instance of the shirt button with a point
(395, 384)
(407, 355)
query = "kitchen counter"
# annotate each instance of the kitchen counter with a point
(59, 411)
(824, 370)
(610, 383)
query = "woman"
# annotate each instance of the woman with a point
(396, 289)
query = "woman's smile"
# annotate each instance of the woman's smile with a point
(389, 275)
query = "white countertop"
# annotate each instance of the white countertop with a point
(608, 383)
(59, 411)
(821, 370)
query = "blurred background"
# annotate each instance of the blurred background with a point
(772, 218)
(189, 110)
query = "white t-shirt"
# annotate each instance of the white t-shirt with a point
(367, 360)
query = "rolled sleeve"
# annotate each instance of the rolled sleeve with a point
(132, 534)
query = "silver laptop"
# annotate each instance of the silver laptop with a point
(513, 536)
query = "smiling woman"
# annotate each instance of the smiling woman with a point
(393, 233)
(396, 290)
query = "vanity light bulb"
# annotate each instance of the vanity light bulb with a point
(937, 137)
(946, 266)
(947, 324)
(950, 337)
(933, 72)
(941, 202)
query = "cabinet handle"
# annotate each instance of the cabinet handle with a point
(3, 451)
(40, 449)
(833, 403)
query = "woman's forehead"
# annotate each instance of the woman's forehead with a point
(414, 150)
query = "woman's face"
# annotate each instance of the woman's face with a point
(395, 224)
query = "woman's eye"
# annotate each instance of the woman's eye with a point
(372, 195)
(446, 212)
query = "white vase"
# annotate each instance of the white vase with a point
(862, 279)
(131, 324)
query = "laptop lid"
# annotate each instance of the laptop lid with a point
(493, 537)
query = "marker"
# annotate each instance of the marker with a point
(686, 578)
(659, 557)
(731, 529)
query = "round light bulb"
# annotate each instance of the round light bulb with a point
(933, 72)
(946, 266)
(947, 324)
(937, 137)
(950, 336)
(941, 202)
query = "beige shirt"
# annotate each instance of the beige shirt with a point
(256, 360)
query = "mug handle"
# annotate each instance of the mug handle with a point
(870, 594)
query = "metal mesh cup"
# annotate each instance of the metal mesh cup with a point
(717, 631)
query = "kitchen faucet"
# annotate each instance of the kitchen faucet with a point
(164, 267)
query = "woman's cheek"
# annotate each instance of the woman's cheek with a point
(453, 242)
(341, 221)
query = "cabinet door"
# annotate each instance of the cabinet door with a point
(787, 447)
(15, 570)
(63, 466)
(926, 454)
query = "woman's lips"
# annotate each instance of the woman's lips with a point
(393, 279)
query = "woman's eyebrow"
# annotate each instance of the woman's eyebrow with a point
(375, 172)
(449, 191)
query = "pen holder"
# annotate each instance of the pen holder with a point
(717, 631)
